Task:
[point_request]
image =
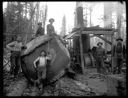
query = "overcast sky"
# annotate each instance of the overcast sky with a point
(57, 10)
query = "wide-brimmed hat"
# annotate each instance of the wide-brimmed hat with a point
(99, 43)
(51, 19)
(39, 23)
(119, 38)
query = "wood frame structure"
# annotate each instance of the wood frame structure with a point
(96, 31)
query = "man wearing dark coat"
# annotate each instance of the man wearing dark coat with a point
(50, 27)
(40, 30)
(100, 56)
(119, 53)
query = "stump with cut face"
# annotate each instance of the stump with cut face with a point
(52, 44)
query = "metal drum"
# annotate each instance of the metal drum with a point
(53, 45)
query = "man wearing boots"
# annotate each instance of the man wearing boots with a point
(119, 54)
(100, 56)
(15, 48)
(40, 64)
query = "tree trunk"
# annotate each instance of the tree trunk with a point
(119, 16)
(80, 24)
(108, 22)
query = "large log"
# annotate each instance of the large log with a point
(60, 57)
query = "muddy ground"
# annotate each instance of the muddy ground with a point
(89, 84)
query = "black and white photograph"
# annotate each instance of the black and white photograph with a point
(64, 48)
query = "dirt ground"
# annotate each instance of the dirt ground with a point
(89, 84)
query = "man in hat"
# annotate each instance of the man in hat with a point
(100, 56)
(15, 48)
(40, 30)
(119, 53)
(50, 27)
(40, 64)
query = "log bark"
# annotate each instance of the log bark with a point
(55, 68)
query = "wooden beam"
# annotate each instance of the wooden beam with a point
(80, 24)
(90, 32)
(95, 28)
(70, 35)
(104, 39)
(99, 32)
(81, 52)
(112, 37)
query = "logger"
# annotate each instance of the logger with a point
(51, 44)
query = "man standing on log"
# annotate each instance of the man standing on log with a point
(40, 30)
(50, 27)
(100, 56)
(15, 48)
